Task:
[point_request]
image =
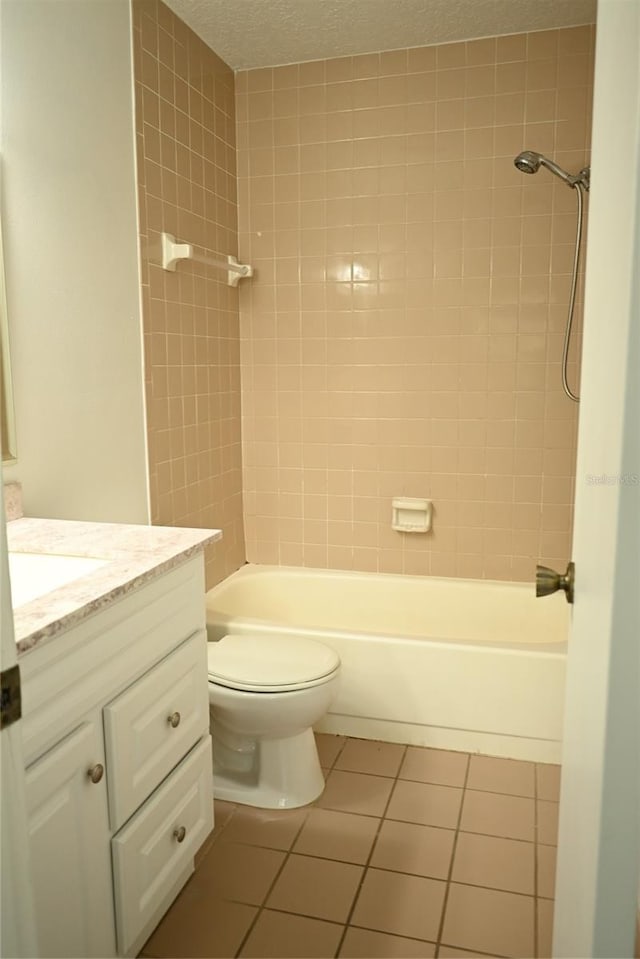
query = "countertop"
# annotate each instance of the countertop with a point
(135, 555)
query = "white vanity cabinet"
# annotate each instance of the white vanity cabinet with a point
(118, 753)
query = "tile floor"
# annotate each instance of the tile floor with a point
(409, 852)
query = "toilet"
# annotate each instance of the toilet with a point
(265, 694)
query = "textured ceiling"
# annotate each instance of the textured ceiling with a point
(258, 33)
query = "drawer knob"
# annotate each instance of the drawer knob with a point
(179, 834)
(174, 720)
(96, 773)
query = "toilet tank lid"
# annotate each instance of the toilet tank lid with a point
(270, 660)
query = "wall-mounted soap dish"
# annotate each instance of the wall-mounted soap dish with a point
(411, 515)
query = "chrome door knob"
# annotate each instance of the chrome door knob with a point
(548, 581)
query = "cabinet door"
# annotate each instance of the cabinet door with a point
(69, 846)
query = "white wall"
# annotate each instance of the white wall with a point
(70, 229)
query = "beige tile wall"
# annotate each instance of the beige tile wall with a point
(403, 333)
(186, 153)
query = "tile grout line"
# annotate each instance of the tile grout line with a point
(536, 944)
(338, 924)
(262, 906)
(420, 782)
(339, 753)
(287, 852)
(396, 872)
(369, 857)
(428, 782)
(445, 901)
(408, 822)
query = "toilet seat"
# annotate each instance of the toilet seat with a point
(270, 664)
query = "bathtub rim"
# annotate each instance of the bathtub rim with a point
(259, 569)
(246, 624)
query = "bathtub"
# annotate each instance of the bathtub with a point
(458, 664)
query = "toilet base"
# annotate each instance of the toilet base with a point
(284, 773)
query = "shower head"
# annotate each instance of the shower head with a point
(530, 162)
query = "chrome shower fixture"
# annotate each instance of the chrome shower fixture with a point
(530, 162)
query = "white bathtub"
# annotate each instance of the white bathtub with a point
(470, 665)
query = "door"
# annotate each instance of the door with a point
(17, 923)
(599, 842)
(69, 846)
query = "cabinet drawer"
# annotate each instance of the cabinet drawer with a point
(148, 859)
(142, 744)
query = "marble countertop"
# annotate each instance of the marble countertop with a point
(134, 554)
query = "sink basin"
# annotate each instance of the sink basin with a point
(34, 574)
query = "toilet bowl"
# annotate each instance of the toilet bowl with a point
(265, 694)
